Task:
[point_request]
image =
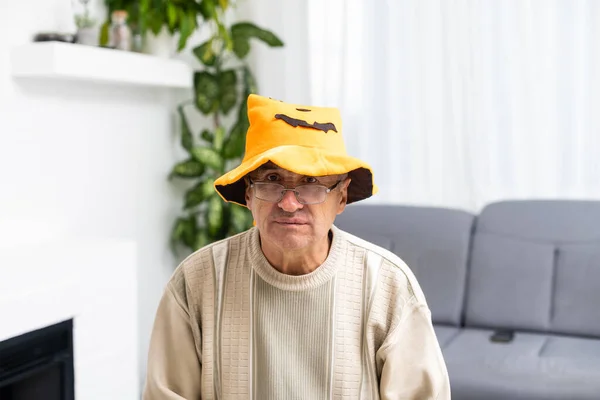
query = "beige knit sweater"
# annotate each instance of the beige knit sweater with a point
(230, 326)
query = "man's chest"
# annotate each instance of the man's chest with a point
(265, 343)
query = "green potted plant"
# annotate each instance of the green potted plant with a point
(149, 19)
(86, 32)
(221, 89)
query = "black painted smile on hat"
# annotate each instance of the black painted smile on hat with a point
(325, 127)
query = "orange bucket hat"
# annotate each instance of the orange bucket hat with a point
(302, 139)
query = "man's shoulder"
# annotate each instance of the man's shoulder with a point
(391, 267)
(202, 261)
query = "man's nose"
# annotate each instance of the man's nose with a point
(289, 202)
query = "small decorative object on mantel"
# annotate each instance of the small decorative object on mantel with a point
(87, 33)
(120, 33)
(54, 37)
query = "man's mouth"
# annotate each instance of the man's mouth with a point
(290, 221)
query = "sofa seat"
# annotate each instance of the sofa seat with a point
(445, 333)
(532, 366)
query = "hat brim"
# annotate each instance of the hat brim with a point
(301, 160)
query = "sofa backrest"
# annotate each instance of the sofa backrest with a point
(433, 242)
(535, 265)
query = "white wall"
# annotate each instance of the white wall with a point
(453, 104)
(281, 73)
(85, 160)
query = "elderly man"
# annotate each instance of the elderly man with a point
(294, 308)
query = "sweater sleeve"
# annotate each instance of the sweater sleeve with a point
(412, 363)
(174, 369)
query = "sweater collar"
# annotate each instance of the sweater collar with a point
(321, 275)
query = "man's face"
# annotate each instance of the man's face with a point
(289, 224)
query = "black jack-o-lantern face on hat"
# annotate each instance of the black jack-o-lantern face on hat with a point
(302, 139)
(295, 122)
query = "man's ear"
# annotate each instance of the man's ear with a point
(248, 195)
(344, 195)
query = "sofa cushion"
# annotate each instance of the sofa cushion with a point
(510, 282)
(575, 309)
(434, 242)
(581, 350)
(535, 265)
(544, 220)
(532, 366)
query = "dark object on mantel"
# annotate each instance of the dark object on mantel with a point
(54, 37)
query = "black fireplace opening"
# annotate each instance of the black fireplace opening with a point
(38, 365)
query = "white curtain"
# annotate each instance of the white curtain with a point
(453, 102)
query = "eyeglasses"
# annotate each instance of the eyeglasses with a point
(305, 194)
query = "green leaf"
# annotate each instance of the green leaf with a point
(219, 138)
(155, 21)
(241, 46)
(104, 35)
(206, 86)
(243, 114)
(240, 219)
(205, 54)
(242, 32)
(208, 9)
(202, 239)
(249, 81)
(248, 30)
(196, 195)
(225, 36)
(188, 169)
(187, 141)
(209, 157)
(224, 4)
(198, 8)
(227, 84)
(186, 28)
(214, 216)
(184, 230)
(207, 136)
(189, 231)
(171, 15)
(177, 231)
(144, 6)
(235, 144)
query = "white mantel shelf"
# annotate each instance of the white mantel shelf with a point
(56, 60)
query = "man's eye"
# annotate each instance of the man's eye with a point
(311, 179)
(271, 178)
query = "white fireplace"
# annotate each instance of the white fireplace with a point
(92, 282)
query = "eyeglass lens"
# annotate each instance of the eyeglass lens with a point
(305, 194)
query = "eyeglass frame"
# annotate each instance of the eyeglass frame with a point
(294, 189)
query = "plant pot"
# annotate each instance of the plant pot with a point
(87, 36)
(162, 45)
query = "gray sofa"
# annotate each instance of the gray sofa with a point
(532, 267)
